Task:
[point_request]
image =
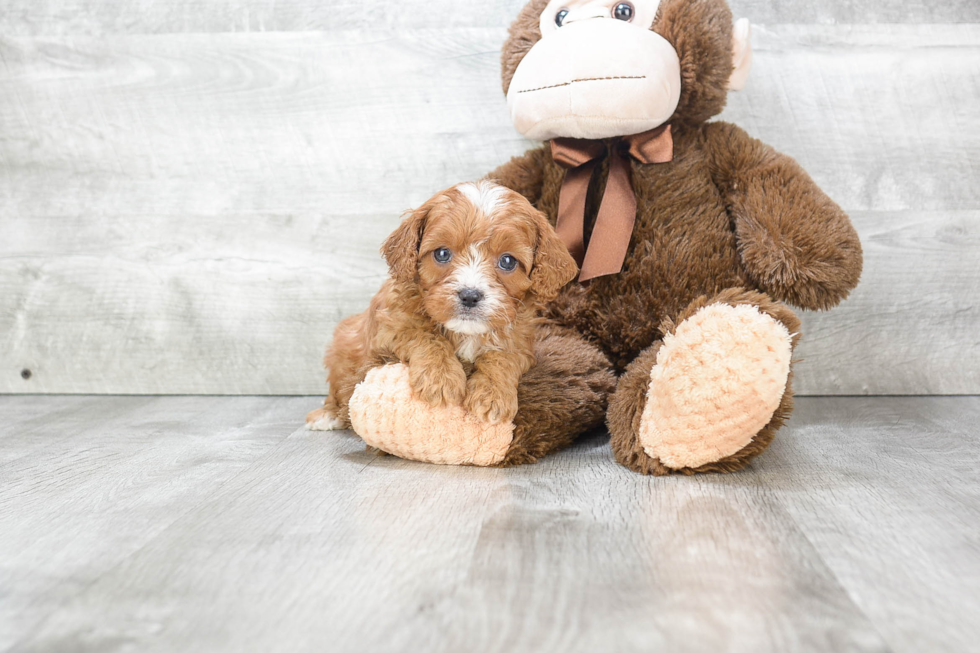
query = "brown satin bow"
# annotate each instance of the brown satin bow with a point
(617, 210)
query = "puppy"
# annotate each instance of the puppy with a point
(468, 272)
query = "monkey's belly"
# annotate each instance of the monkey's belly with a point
(624, 316)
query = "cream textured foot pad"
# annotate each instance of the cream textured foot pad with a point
(386, 415)
(717, 382)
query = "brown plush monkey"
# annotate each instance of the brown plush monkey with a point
(687, 302)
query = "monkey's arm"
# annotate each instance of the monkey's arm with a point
(794, 241)
(523, 174)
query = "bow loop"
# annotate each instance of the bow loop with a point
(617, 210)
(656, 146)
(574, 152)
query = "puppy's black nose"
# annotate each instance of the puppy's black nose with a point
(470, 297)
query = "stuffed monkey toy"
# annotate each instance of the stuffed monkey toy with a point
(692, 238)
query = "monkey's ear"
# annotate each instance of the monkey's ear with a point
(742, 49)
(553, 265)
(401, 249)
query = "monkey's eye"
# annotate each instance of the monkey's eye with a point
(442, 255)
(623, 11)
(560, 17)
(507, 263)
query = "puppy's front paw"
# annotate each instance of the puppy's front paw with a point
(490, 402)
(438, 384)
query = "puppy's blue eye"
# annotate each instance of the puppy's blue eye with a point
(507, 263)
(623, 11)
(442, 255)
(560, 17)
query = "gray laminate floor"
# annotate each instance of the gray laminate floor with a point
(216, 524)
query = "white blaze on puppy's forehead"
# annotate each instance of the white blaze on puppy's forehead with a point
(484, 195)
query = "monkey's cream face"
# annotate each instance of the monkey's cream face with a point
(598, 71)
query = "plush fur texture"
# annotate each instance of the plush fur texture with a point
(702, 226)
(565, 394)
(729, 221)
(456, 354)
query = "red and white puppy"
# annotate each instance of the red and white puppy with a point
(469, 271)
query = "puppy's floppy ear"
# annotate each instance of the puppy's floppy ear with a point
(401, 249)
(553, 265)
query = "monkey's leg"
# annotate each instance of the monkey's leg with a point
(711, 395)
(563, 395)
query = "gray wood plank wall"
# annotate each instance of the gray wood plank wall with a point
(192, 194)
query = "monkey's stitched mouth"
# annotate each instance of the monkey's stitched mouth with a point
(585, 79)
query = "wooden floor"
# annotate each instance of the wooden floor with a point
(217, 524)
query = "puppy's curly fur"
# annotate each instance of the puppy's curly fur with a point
(469, 272)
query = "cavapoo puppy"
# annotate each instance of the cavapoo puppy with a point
(469, 271)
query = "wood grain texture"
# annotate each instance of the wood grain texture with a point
(211, 524)
(913, 325)
(96, 17)
(84, 487)
(901, 473)
(192, 213)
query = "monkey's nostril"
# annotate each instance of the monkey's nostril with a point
(470, 297)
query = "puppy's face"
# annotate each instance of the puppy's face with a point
(477, 252)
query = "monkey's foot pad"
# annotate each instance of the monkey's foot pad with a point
(718, 380)
(385, 413)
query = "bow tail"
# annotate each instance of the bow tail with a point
(571, 209)
(613, 226)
